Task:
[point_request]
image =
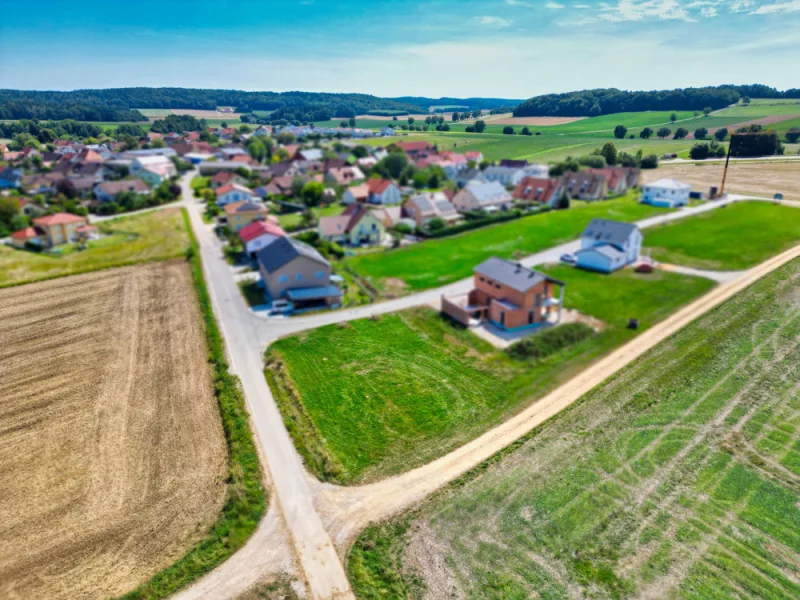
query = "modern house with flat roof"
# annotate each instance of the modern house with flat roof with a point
(509, 296)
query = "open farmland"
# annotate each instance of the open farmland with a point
(112, 455)
(761, 179)
(439, 262)
(373, 398)
(152, 236)
(678, 478)
(735, 237)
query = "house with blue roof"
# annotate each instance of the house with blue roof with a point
(607, 246)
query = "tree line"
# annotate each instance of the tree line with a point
(598, 102)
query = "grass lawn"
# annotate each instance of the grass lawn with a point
(157, 235)
(252, 293)
(736, 237)
(677, 478)
(438, 262)
(292, 220)
(373, 398)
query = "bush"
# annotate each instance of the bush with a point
(620, 131)
(649, 162)
(508, 130)
(592, 161)
(793, 135)
(550, 341)
(700, 152)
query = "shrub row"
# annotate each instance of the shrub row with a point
(550, 341)
(478, 223)
(245, 502)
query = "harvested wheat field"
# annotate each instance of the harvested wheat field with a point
(761, 179)
(112, 455)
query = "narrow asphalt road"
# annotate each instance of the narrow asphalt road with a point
(325, 576)
(301, 499)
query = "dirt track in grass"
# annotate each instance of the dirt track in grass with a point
(112, 455)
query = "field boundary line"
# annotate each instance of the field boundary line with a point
(352, 509)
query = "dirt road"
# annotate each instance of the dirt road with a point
(112, 455)
(346, 511)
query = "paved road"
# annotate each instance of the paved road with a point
(316, 554)
(298, 495)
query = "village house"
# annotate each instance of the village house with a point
(607, 246)
(537, 171)
(223, 178)
(345, 175)
(389, 215)
(416, 150)
(488, 196)
(295, 271)
(11, 178)
(666, 193)
(617, 178)
(357, 226)
(258, 235)
(541, 191)
(474, 156)
(431, 205)
(153, 169)
(506, 176)
(509, 296)
(54, 230)
(585, 185)
(382, 191)
(279, 186)
(357, 193)
(239, 215)
(109, 190)
(231, 193)
(466, 176)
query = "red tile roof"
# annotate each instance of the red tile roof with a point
(378, 186)
(223, 177)
(231, 187)
(259, 228)
(25, 234)
(414, 146)
(58, 219)
(536, 190)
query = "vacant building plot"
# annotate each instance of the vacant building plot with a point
(738, 236)
(112, 455)
(762, 179)
(373, 398)
(678, 478)
(439, 262)
(157, 235)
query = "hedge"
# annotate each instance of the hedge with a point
(245, 502)
(550, 341)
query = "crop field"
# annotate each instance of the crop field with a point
(760, 179)
(373, 398)
(763, 108)
(736, 237)
(112, 455)
(678, 478)
(153, 236)
(439, 262)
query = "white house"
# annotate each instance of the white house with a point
(386, 131)
(607, 246)
(233, 192)
(153, 169)
(667, 193)
(383, 191)
(537, 171)
(505, 176)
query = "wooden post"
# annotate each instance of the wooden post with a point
(725, 172)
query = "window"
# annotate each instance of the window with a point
(283, 279)
(299, 277)
(320, 274)
(481, 279)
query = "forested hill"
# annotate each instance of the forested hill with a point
(117, 104)
(608, 101)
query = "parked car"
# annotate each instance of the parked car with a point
(281, 307)
(778, 197)
(568, 259)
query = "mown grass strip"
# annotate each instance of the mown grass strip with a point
(245, 503)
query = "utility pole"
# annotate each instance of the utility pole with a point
(725, 172)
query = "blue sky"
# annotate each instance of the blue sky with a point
(499, 48)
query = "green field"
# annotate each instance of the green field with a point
(376, 397)
(439, 262)
(678, 478)
(738, 236)
(157, 235)
(762, 108)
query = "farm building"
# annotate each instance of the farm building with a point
(667, 193)
(607, 246)
(509, 296)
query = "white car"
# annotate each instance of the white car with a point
(281, 307)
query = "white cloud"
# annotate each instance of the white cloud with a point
(637, 10)
(498, 22)
(554, 6)
(777, 8)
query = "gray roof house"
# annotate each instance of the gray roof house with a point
(468, 175)
(489, 196)
(607, 246)
(297, 272)
(504, 175)
(429, 205)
